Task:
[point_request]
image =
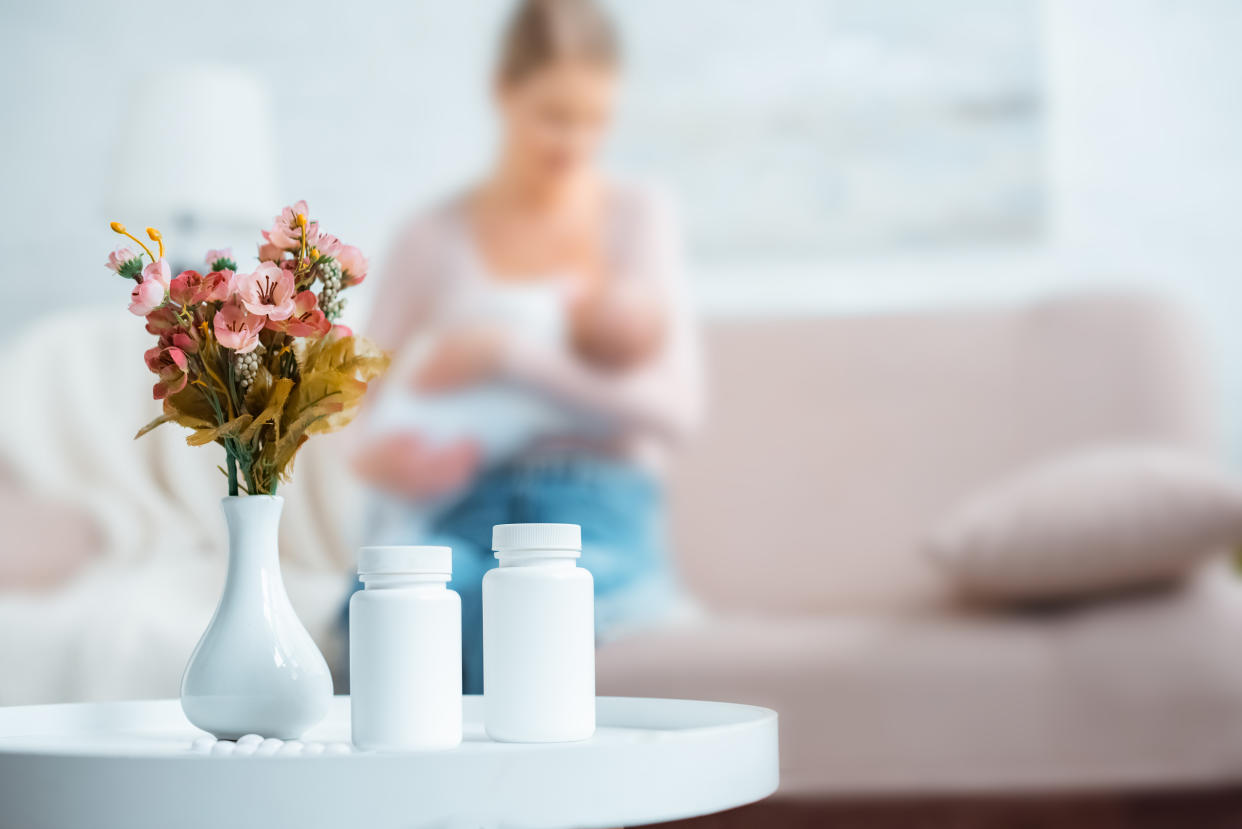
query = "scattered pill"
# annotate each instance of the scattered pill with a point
(269, 747)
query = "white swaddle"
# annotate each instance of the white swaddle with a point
(500, 418)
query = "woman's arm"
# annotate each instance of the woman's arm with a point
(406, 302)
(664, 395)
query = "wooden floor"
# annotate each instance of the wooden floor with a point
(1210, 809)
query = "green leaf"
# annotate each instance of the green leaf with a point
(132, 268)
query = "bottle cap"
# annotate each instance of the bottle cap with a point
(375, 561)
(517, 538)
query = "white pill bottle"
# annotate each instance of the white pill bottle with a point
(538, 636)
(405, 651)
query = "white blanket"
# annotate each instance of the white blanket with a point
(76, 390)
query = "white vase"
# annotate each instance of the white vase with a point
(256, 670)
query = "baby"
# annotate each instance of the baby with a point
(617, 327)
(613, 328)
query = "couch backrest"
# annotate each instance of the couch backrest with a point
(833, 444)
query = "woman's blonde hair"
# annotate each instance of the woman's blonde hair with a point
(540, 32)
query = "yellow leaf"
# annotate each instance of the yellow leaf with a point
(190, 408)
(272, 411)
(202, 437)
(260, 390)
(336, 370)
(332, 380)
(162, 419)
(296, 431)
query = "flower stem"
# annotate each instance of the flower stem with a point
(251, 487)
(232, 470)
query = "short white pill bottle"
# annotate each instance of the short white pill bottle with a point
(538, 636)
(405, 650)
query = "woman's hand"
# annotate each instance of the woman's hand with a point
(461, 358)
(407, 465)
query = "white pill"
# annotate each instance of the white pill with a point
(223, 748)
(292, 747)
(269, 746)
(245, 749)
(338, 748)
(249, 740)
(312, 749)
(203, 745)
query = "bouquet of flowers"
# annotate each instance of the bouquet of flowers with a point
(254, 361)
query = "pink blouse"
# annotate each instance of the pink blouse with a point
(651, 407)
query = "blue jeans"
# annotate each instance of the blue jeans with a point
(620, 510)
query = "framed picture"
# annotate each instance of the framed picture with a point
(804, 129)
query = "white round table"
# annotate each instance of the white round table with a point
(131, 765)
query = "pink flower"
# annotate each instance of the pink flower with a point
(119, 260)
(148, 294)
(176, 340)
(267, 292)
(184, 288)
(184, 341)
(163, 321)
(353, 264)
(307, 319)
(286, 234)
(169, 363)
(219, 285)
(269, 252)
(328, 245)
(191, 287)
(159, 271)
(146, 297)
(221, 256)
(340, 332)
(236, 328)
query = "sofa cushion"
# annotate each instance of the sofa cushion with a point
(1132, 692)
(1094, 521)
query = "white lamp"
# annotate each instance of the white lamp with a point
(197, 159)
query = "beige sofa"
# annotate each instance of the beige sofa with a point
(833, 445)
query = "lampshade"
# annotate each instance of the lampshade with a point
(197, 151)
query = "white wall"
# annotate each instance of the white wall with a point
(378, 104)
(1147, 163)
(1145, 168)
(381, 104)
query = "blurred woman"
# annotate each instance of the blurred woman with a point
(614, 368)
